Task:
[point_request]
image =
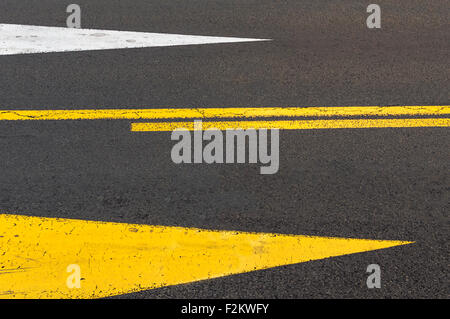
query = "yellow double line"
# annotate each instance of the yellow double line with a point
(326, 117)
(293, 125)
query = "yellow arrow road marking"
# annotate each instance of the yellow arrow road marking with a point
(202, 113)
(294, 125)
(122, 258)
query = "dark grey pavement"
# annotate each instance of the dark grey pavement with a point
(388, 184)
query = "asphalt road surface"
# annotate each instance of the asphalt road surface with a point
(390, 184)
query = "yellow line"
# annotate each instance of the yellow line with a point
(294, 125)
(202, 113)
(113, 259)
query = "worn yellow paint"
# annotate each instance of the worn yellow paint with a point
(201, 113)
(119, 258)
(294, 125)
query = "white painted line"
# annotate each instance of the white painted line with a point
(27, 39)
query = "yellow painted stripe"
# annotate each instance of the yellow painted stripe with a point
(121, 258)
(201, 113)
(294, 125)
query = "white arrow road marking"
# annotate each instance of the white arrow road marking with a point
(26, 39)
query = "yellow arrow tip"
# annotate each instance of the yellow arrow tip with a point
(65, 258)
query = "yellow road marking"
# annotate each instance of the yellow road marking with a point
(202, 113)
(294, 125)
(122, 258)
